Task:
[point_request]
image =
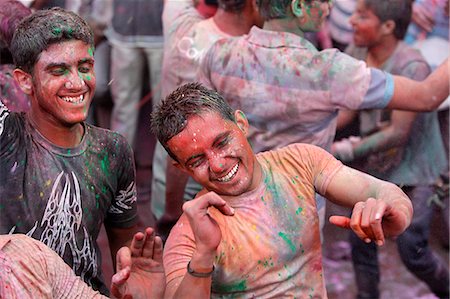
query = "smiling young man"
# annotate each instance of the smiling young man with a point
(253, 231)
(62, 179)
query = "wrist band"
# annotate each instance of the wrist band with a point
(196, 274)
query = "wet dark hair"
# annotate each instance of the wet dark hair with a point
(43, 28)
(235, 6)
(399, 11)
(170, 116)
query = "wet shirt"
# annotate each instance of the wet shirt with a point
(290, 91)
(62, 196)
(271, 246)
(29, 269)
(422, 158)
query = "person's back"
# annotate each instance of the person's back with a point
(289, 90)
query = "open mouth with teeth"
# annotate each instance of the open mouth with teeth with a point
(230, 174)
(74, 100)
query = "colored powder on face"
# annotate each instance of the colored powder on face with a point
(88, 77)
(91, 51)
(288, 241)
(299, 210)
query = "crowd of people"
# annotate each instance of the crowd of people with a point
(247, 97)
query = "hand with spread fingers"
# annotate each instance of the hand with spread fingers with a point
(206, 231)
(140, 272)
(374, 220)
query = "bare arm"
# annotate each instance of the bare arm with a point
(380, 208)
(424, 95)
(207, 238)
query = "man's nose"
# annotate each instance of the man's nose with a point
(74, 81)
(216, 163)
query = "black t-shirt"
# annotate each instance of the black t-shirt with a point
(62, 196)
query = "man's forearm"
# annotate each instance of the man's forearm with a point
(197, 284)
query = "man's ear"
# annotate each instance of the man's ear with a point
(388, 27)
(296, 7)
(24, 80)
(241, 121)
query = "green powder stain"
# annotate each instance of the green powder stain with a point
(104, 164)
(266, 263)
(293, 181)
(56, 31)
(68, 151)
(287, 240)
(235, 287)
(91, 51)
(299, 210)
(88, 77)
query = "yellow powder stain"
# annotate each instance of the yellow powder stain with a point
(41, 194)
(48, 182)
(253, 227)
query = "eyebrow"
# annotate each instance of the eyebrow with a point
(215, 143)
(56, 65)
(86, 60)
(66, 65)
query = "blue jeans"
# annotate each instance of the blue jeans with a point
(414, 251)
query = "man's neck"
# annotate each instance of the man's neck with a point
(377, 55)
(283, 25)
(234, 24)
(65, 137)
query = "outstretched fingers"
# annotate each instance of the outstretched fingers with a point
(137, 244)
(366, 220)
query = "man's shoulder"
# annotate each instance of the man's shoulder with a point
(294, 149)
